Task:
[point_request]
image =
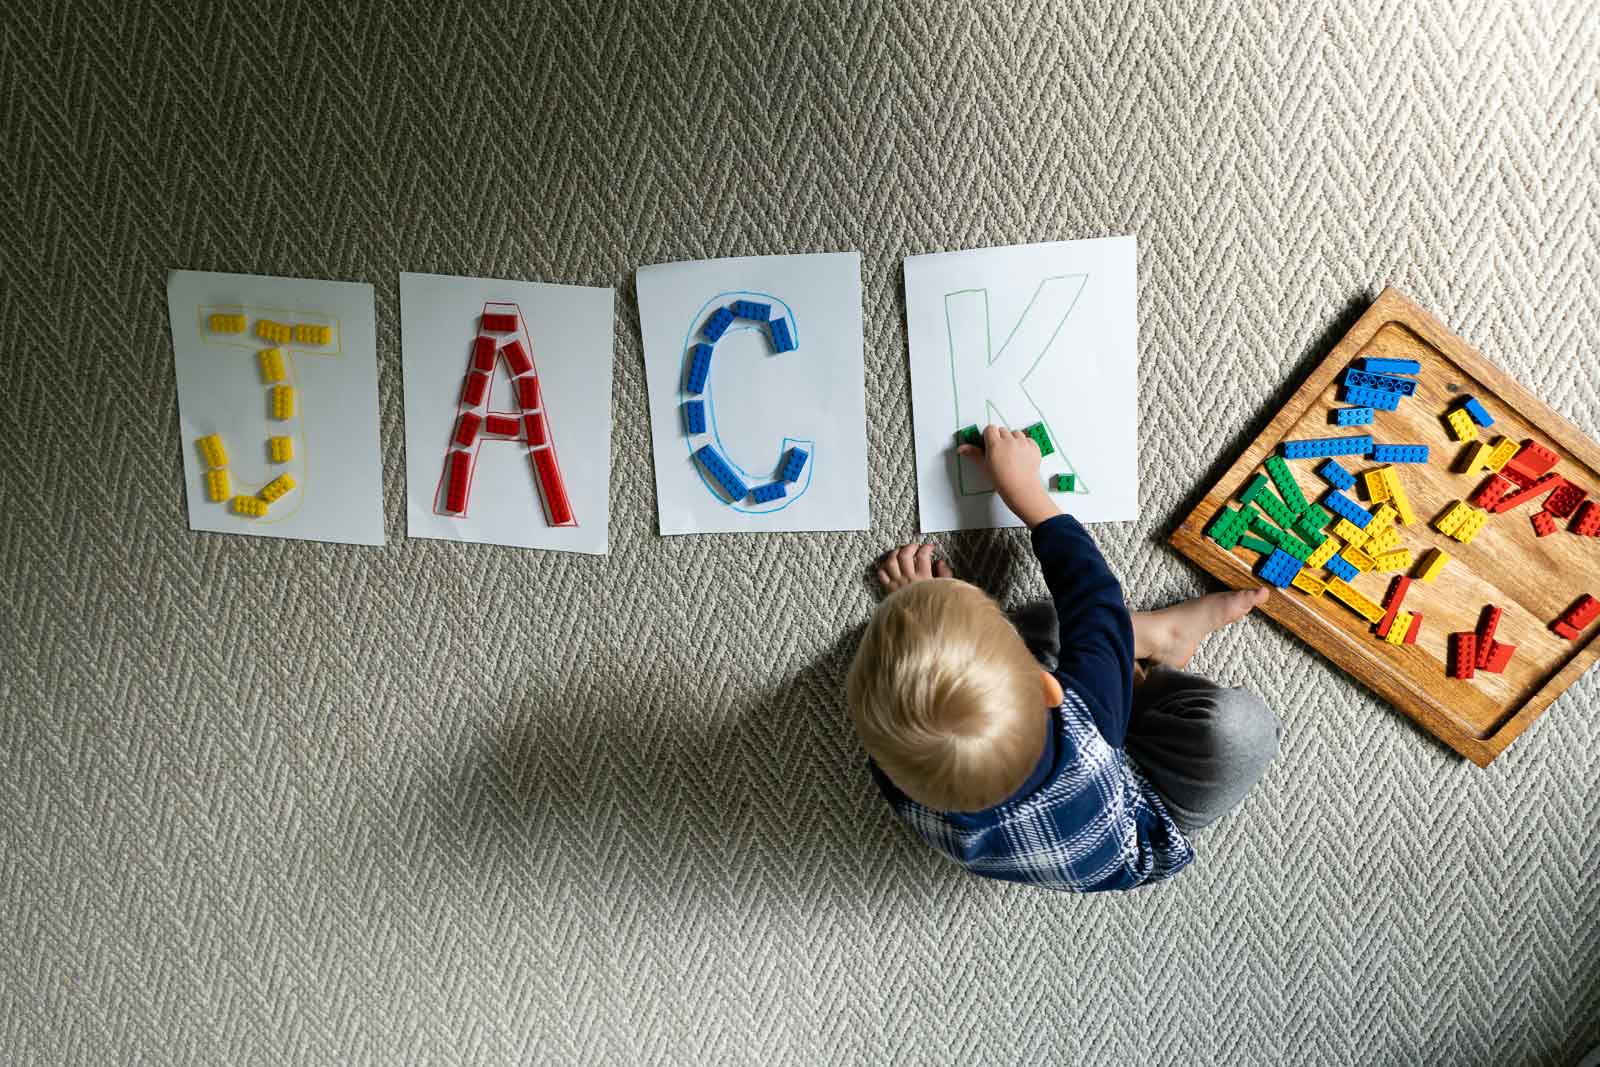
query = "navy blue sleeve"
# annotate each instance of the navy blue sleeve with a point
(1096, 629)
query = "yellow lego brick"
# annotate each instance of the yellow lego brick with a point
(1357, 558)
(281, 449)
(1309, 583)
(271, 360)
(249, 506)
(1355, 600)
(277, 487)
(1377, 485)
(1385, 540)
(1435, 564)
(1450, 521)
(1479, 458)
(1504, 449)
(1397, 497)
(1462, 428)
(275, 332)
(227, 323)
(1322, 553)
(211, 450)
(1382, 519)
(307, 334)
(283, 401)
(1349, 533)
(217, 486)
(1470, 524)
(1397, 560)
(1399, 628)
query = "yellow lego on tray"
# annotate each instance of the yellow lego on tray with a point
(308, 334)
(1462, 521)
(1397, 560)
(1382, 518)
(271, 360)
(1397, 497)
(1399, 628)
(1349, 533)
(211, 450)
(1354, 599)
(1503, 450)
(1435, 564)
(1377, 485)
(1462, 428)
(1322, 554)
(1385, 540)
(280, 449)
(218, 488)
(1479, 459)
(283, 401)
(275, 489)
(1309, 583)
(1357, 558)
(226, 323)
(249, 506)
(275, 332)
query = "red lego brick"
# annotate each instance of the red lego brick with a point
(1397, 592)
(1544, 484)
(1518, 478)
(528, 392)
(1532, 459)
(535, 425)
(1565, 500)
(1463, 653)
(1582, 613)
(474, 389)
(1543, 524)
(1564, 630)
(517, 359)
(467, 428)
(483, 354)
(502, 323)
(460, 479)
(1586, 523)
(1414, 630)
(1499, 655)
(555, 491)
(502, 425)
(1487, 624)
(1490, 492)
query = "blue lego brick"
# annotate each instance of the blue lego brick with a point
(793, 464)
(1388, 383)
(782, 339)
(717, 324)
(1353, 416)
(699, 368)
(1373, 398)
(1335, 475)
(1399, 453)
(1479, 414)
(694, 416)
(1342, 567)
(1346, 508)
(771, 491)
(723, 474)
(1391, 366)
(1280, 568)
(749, 309)
(1318, 447)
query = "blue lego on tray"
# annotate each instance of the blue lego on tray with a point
(717, 324)
(1372, 398)
(723, 474)
(793, 464)
(1318, 447)
(1480, 415)
(782, 339)
(763, 494)
(1280, 568)
(699, 368)
(1399, 453)
(1343, 568)
(1388, 383)
(1391, 366)
(749, 309)
(694, 416)
(1352, 416)
(1346, 508)
(1335, 475)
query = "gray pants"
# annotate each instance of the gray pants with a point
(1201, 745)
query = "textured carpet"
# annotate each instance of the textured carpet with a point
(272, 802)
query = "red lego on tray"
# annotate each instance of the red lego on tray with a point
(1543, 524)
(1543, 484)
(1586, 523)
(1531, 460)
(1565, 500)
(1499, 655)
(1463, 653)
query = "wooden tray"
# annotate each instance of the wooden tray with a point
(1533, 579)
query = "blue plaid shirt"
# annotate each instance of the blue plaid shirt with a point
(1086, 819)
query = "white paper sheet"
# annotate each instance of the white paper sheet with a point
(759, 403)
(338, 474)
(1014, 336)
(567, 331)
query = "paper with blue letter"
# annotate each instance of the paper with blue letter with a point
(784, 438)
(1016, 336)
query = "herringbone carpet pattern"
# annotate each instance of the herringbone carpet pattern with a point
(270, 802)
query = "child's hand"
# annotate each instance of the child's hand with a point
(1011, 459)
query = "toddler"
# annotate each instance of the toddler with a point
(1068, 749)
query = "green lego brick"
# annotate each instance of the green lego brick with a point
(1255, 544)
(1257, 486)
(1064, 483)
(1312, 518)
(1227, 527)
(1283, 478)
(1041, 437)
(1279, 512)
(970, 435)
(1282, 539)
(1314, 538)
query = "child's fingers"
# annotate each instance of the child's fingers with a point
(969, 450)
(924, 561)
(941, 569)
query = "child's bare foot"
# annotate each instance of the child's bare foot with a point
(910, 563)
(1171, 635)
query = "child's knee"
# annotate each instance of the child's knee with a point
(1244, 732)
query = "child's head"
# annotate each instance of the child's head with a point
(948, 700)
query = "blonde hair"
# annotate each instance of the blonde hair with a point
(946, 697)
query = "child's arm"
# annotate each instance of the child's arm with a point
(1096, 630)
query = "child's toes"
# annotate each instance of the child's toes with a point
(922, 565)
